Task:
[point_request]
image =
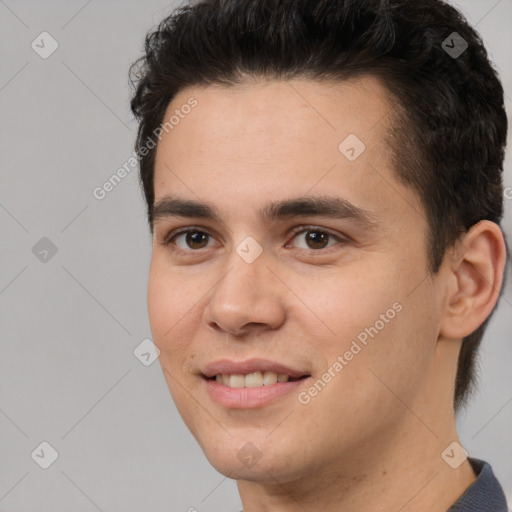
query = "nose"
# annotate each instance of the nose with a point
(246, 299)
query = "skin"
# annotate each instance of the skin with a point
(372, 439)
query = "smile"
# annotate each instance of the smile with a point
(247, 397)
(252, 380)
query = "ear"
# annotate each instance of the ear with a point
(475, 277)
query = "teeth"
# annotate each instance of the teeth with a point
(236, 381)
(269, 378)
(251, 380)
(254, 380)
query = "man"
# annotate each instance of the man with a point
(323, 184)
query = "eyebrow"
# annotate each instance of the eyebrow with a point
(317, 206)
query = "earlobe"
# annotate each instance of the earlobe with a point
(476, 279)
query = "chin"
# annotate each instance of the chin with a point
(252, 458)
(261, 471)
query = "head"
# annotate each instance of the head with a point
(359, 100)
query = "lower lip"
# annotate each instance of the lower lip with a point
(247, 398)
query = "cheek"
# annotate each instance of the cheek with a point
(170, 312)
(161, 302)
(170, 319)
(353, 300)
(376, 378)
(372, 319)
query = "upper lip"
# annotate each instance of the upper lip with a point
(227, 367)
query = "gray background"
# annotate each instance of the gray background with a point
(69, 326)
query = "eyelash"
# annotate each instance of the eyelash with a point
(168, 240)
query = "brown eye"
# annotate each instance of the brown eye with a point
(196, 239)
(315, 239)
(188, 239)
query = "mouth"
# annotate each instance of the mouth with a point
(251, 384)
(254, 380)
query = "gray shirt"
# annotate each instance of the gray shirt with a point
(485, 494)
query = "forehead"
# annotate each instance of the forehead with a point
(273, 139)
(278, 111)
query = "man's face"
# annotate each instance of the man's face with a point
(302, 291)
